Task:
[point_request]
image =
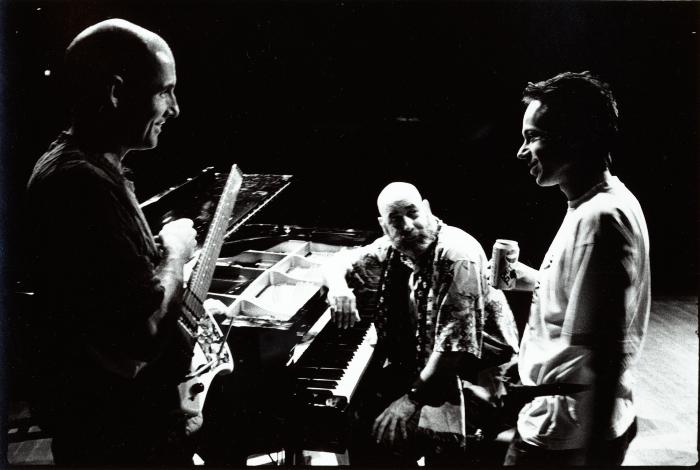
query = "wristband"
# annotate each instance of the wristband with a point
(417, 393)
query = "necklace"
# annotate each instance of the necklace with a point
(421, 284)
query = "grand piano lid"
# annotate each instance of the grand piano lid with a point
(198, 197)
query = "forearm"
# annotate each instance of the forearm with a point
(335, 270)
(334, 277)
(527, 277)
(440, 368)
(170, 274)
(440, 364)
(403, 414)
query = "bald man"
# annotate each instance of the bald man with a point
(107, 291)
(425, 286)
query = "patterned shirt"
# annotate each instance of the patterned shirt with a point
(446, 305)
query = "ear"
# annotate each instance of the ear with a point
(116, 90)
(426, 206)
(383, 226)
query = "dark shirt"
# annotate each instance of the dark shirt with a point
(92, 262)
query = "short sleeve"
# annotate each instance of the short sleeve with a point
(600, 278)
(460, 317)
(363, 268)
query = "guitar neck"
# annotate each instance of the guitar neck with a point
(202, 275)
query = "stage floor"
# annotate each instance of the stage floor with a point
(666, 391)
(666, 394)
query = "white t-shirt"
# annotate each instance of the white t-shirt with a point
(603, 235)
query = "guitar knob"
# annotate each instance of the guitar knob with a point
(197, 388)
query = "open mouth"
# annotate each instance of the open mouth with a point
(532, 167)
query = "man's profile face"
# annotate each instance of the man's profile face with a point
(153, 104)
(545, 154)
(409, 224)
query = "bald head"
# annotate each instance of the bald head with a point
(103, 50)
(121, 82)
(395, 192)
(406, 219)
(119, 29)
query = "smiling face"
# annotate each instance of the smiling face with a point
(548, 158)
(153, 103)
(408, 222)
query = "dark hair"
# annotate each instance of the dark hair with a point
(582, 107)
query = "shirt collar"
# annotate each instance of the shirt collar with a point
(114, 163)
(608, 181)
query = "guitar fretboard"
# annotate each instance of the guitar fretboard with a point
(203, 272)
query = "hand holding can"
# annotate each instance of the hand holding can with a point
(503, 259)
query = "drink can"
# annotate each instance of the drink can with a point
(504, 256)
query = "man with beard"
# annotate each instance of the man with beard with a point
(425, 286)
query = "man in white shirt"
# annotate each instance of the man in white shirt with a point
(591, 295)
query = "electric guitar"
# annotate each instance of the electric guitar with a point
(211, 355)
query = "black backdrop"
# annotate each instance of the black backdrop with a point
(348, 96)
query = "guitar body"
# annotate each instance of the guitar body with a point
(210, 356)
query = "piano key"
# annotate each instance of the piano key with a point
(348, 383)
(318, 383)
(316, 361)
(327, 373)
(353, 357)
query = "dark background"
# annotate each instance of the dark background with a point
(348, 96)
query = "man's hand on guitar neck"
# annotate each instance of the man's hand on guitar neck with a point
(177, 239)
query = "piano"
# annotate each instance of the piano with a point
(295, 373)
